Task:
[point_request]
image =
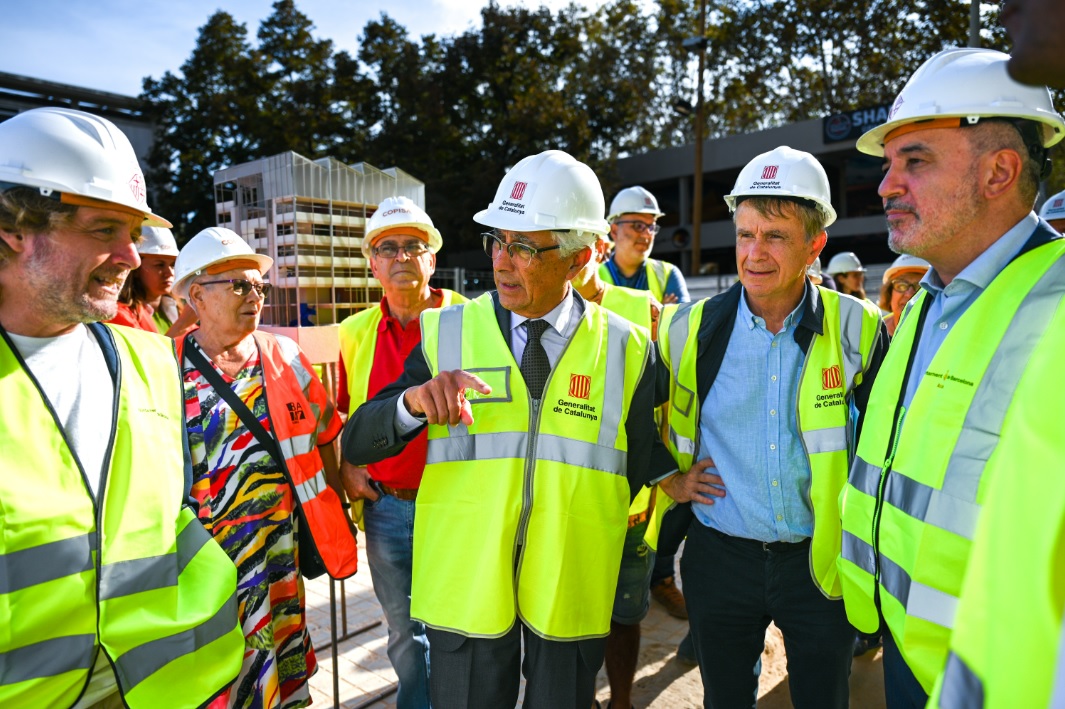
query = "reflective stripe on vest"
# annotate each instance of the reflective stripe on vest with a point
(166, 607)
(961, 689)
(657, 274)
(547, 479)
(833, 367)
(358, 346)
(928, 492)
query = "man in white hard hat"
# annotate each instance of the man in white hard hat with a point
(964, 150)
(764, 383)
(401, 243)
(115, 595)
(531, 467)
(633, 225)
(1008, 625)
(1053, 211)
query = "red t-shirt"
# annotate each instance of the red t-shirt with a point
(394, 345)
(141, 318)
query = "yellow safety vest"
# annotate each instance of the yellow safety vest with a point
(835, 366)
(657, 276)
(911, 506)
(358, 342)
(1008, 629)
(135, 576)
(523, 514)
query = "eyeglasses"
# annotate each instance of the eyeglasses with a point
(242, 287)
(641, 227)
(518, 252)
(413, 250)
(904, 286)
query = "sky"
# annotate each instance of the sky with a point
(112, 45)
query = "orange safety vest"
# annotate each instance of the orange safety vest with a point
(294, 421)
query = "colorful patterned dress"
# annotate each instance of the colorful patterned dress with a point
(247, 506)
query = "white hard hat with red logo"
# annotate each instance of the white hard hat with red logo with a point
(550, 191)
(400, 215)
(75, 158)
(786, 173)
(157, 241)
(634, 200)
(214, 250)
(959, 86)
(1054, 208)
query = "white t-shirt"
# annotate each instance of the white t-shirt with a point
(72, 371)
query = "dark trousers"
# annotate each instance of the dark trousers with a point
(482, 673)
(671, 534)
(901, 688)
(733, 588)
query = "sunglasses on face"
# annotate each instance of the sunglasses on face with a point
(242, 287)
(904, 286)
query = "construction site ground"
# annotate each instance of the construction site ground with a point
(366, 679)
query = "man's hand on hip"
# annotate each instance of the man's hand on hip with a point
(696, 485)
(442, 399)
(356, 481)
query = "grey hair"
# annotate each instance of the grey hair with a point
(573, 240)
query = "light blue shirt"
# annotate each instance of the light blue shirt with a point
(748, 426)
(950, 302)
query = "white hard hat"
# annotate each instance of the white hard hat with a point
(845, 262)
(905, 262)
(397, 212)
(552, 190)
(634, 200)
(967, 84)
(788, 173)
(814, 269)
(1054, 207)
(157, 241)
(75, 158)
(213, 246)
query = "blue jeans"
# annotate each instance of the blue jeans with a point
(389, 550)
(733, 588)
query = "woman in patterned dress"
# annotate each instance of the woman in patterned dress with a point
(245, 500)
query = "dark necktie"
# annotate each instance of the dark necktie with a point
(534, 364)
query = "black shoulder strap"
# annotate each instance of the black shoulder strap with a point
(192, 351)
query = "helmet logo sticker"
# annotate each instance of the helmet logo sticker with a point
(518, 190)
(769, 172)
(396, 210)
(648, 203)
(1058, 203)
(895, 108)
(136, 187)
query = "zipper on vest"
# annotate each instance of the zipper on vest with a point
(896, 429)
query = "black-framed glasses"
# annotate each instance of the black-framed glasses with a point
(641, 227)
(518, 252)
(242, 286)
(413, 250)
(904, 286)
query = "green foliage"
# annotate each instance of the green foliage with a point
(457, 111)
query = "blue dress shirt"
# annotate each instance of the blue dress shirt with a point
(748, 426)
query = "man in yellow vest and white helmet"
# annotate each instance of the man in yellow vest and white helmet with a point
(401, 243)
(766, 383)
(539, 408)
(113, 594)
(1008, 644)
(964, 150)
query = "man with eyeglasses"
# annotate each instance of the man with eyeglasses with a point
(401, 243)
(114, 594)
(539, 406)
(632, 218)
(900, 283)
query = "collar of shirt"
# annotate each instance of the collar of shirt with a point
(435, 294)
(560, 318)
(986, 266)
(752, 321)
